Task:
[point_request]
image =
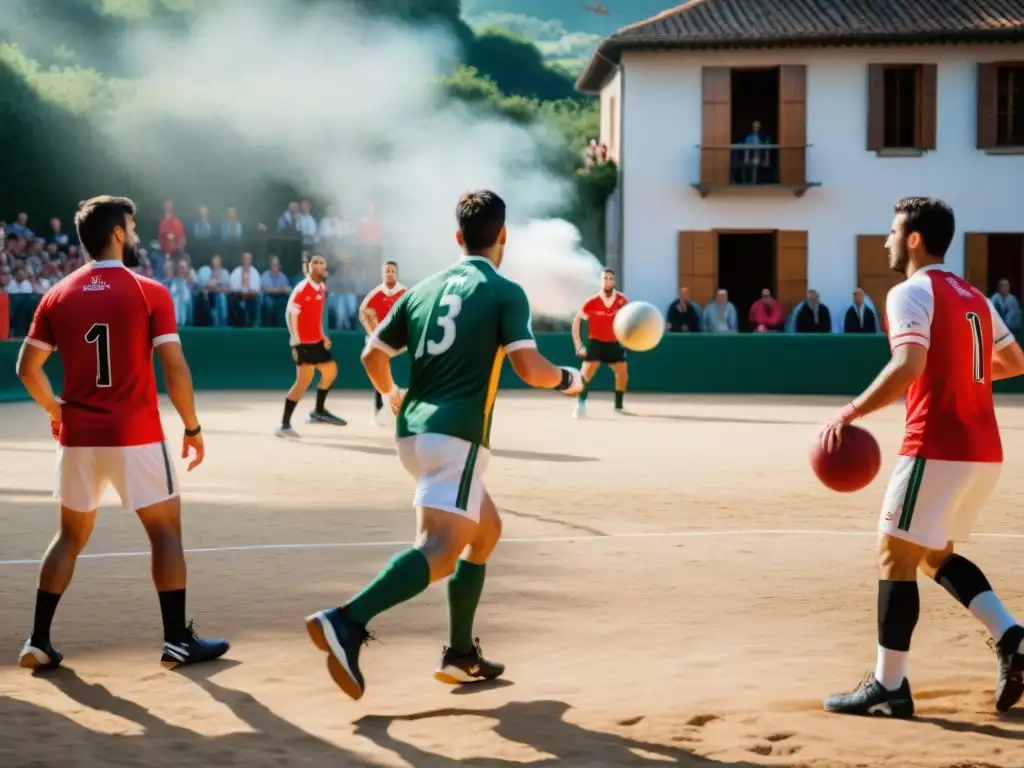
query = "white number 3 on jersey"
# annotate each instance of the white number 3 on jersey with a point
(451, 305)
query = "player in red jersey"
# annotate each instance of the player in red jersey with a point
(106, 321)
(311, 347)
(948, 346)
(602, 347)
(375, 307)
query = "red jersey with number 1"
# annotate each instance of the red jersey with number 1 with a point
(105, 320)
(950, 412)
(599, 312)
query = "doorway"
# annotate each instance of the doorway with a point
(755, 98)
(1005, 260)
(746, 266)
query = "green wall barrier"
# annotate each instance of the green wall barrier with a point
(698, 363)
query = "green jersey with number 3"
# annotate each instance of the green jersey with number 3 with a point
(457, 326)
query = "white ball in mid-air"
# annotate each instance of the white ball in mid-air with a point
(639, 326)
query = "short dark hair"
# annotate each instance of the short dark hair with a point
(608, 271)
(391, 264)
(481, 215)
(932, 219)
(98, 217)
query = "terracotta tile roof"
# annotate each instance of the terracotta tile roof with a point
(809, 23)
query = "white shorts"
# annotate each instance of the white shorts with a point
(931, 502)
(142, 475)
(449, 472)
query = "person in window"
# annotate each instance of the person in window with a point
(1007, 306)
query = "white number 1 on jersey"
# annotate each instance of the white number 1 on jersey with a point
(452, 305)
(979, 365)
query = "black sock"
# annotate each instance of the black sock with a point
(899, 605)
(172, 610)
(962, 579)
(289, 409)
(378, 400)
(46, 606)
(321, 399)
(619, 395)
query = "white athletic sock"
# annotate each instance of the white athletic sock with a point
(989, 610)
(891, 667)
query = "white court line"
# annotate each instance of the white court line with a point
(535, 540)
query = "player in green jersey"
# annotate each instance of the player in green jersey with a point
(458, 326)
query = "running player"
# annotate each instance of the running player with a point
(602, 347)
(106, 321)
(372, 311)
(311, 347)
(459, 324)
(948, 346)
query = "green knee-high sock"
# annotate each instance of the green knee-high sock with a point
(405, 576)
(620, 394)
(585, 391)
(464, 590)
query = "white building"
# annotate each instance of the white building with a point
(859, 104)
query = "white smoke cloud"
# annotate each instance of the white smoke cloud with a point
(349, 109)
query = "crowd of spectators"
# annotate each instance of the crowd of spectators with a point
(217, 271)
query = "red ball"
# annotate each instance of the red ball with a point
(852, 466)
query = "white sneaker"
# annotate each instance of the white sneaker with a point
(287, 433)
(381, 417)
(580, 412)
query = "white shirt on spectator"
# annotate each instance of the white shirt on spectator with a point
(25, 286)
(306, 224)
(254, 280)
(333, 228)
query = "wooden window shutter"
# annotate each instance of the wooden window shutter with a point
(873, 273)
(976, 260)
(987, 93)
(876, 107)
(698, 264)
(793, 125)
(716, 133)
(928, 101)
(791, 267)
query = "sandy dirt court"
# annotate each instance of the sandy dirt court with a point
(673, 588)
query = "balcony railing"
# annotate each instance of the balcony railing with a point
(753, 167)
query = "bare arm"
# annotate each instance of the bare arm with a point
(31, 360)
(576, 323)
(377, 363)
(1007, 362)
(534, 369)
(365, 316)
(906, 366)
(178, 380)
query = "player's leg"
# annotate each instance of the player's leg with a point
(462, 660)
(303, 378)
(146, 481)
(79, 486)
(328, 373)
(621, 382)
(588, 371)
(446, 524)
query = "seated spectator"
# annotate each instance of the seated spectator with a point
(766, 314)
(56, 236)
(202, 229)
(720, 315)
(215, 282)
(245, 293)
(181, 286)
(20, 227)
(51, 273)
(288, 222)
(811, 316)
(683, 315)
(276, 288)
(231, 227)
(306, 224)
(20, 283)
(860, 317)
(1007, 306)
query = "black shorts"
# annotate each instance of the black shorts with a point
(605, 352)
(311, 354)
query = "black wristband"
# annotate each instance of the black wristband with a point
(566, 381)
(193, 432)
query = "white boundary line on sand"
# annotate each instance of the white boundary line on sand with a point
(535, 540)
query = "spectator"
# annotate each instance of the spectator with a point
(171, 232)
(12, 245)
(766, 314)
(276, 289)
(181, 286)
(231, 228)
(860, 318)
(33, 257)
(202, 229)
(333, 230)
(5, 278)
(289, 220)
(683, 315)
(1007, 306)
(20, 227)
(720, 315)
(245, 292)
(306, 224)
(812, 316)
(755, 161)
(56, 237)
(215, 282)
(20, 282)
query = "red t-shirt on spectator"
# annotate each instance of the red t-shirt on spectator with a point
(171, 234)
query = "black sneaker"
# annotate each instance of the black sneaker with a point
(192, 650)
(457, 668)
(1010, 653)
(326, 417)
(39, 657)
(341, 639)
(872, 698)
